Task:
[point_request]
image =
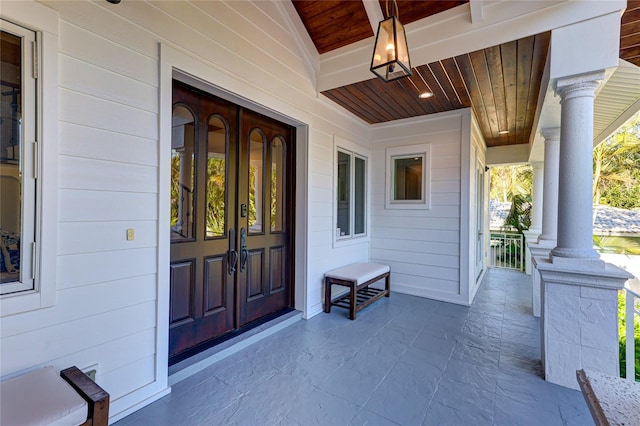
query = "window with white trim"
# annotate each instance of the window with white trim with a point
(350, 193)
(17, 158)
(408, 174)
(29, 153)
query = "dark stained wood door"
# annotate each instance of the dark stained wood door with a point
(264, 222)
(204, 170)
(231, 219)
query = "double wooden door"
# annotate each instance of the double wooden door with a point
(231, 219)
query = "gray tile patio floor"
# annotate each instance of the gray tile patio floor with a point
(405, 360)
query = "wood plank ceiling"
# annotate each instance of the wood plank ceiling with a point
(630, 33)
(501, 83)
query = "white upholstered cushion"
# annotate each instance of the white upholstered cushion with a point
(40, 397)
(358, 272)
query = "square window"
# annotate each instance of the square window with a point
(408, 177)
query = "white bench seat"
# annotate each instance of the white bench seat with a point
(40, 397)
(357, 277)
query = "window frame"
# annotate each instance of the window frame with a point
(354, 152)
(44, 22)
(393, 153)
(25, 166)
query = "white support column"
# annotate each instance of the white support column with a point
(531, 235)
(579, 293)
(575, 205)
(550, 192)
(547, 240)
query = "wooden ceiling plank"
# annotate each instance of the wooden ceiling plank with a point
(509, 53)
(466, 70)
(344, 100)
(494, 64)
(630, 41)
(629, 29)
(525, 52)
(412, 10)
(415, 80)
(481, 71)
(438, 93)
(322, 18)
(538, 63)
(445, 83)
(386, 95)
(630, 15)
(410, 97)
(364, 99)
(459, 85)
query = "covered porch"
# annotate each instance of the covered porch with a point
(405, 360)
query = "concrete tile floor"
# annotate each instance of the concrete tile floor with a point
(405, 360)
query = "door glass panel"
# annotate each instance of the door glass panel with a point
(182, 174)
(343, 194)
(216, 177)
(256, 179)
(359, 195)
(277, 184)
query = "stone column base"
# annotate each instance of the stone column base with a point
(579, 327)
(542, 250)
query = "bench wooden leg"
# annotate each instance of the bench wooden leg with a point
(352, 299)
(327, 294)
(387, 285)
(96, 397)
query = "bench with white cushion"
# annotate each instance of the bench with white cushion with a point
(357, 277)
(41, 397)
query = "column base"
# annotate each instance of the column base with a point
(541, 250)
(579, 319)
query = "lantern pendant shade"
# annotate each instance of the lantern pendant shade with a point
(391, 54)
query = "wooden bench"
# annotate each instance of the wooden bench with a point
(41, 397)
(357, 277)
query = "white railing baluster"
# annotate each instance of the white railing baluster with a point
(500, 250)
(631, 311)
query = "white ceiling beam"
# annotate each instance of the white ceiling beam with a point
(452, 33)
(477, 15)
(374, 13)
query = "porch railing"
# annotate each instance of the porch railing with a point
(632, 309)
(506, 251)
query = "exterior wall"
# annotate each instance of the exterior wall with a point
(107, 309)
(423, 246)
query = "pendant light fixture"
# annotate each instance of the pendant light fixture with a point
(390, 53)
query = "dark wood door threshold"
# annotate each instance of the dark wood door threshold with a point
(230, 335)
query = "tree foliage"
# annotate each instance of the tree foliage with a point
(616, 168)
(514, 184)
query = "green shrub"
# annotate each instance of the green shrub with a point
(622, 337)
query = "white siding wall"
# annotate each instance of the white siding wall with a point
(107, 287)
(422, 246)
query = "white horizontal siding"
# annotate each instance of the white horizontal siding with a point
(89, 142)
(108, 174)
(87, 206)
(100, 175)
(421, 246)
(94, 237)
(81, 302)
(64, 338)
(89, 268)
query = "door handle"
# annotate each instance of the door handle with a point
(233, 254)
(244, 253)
